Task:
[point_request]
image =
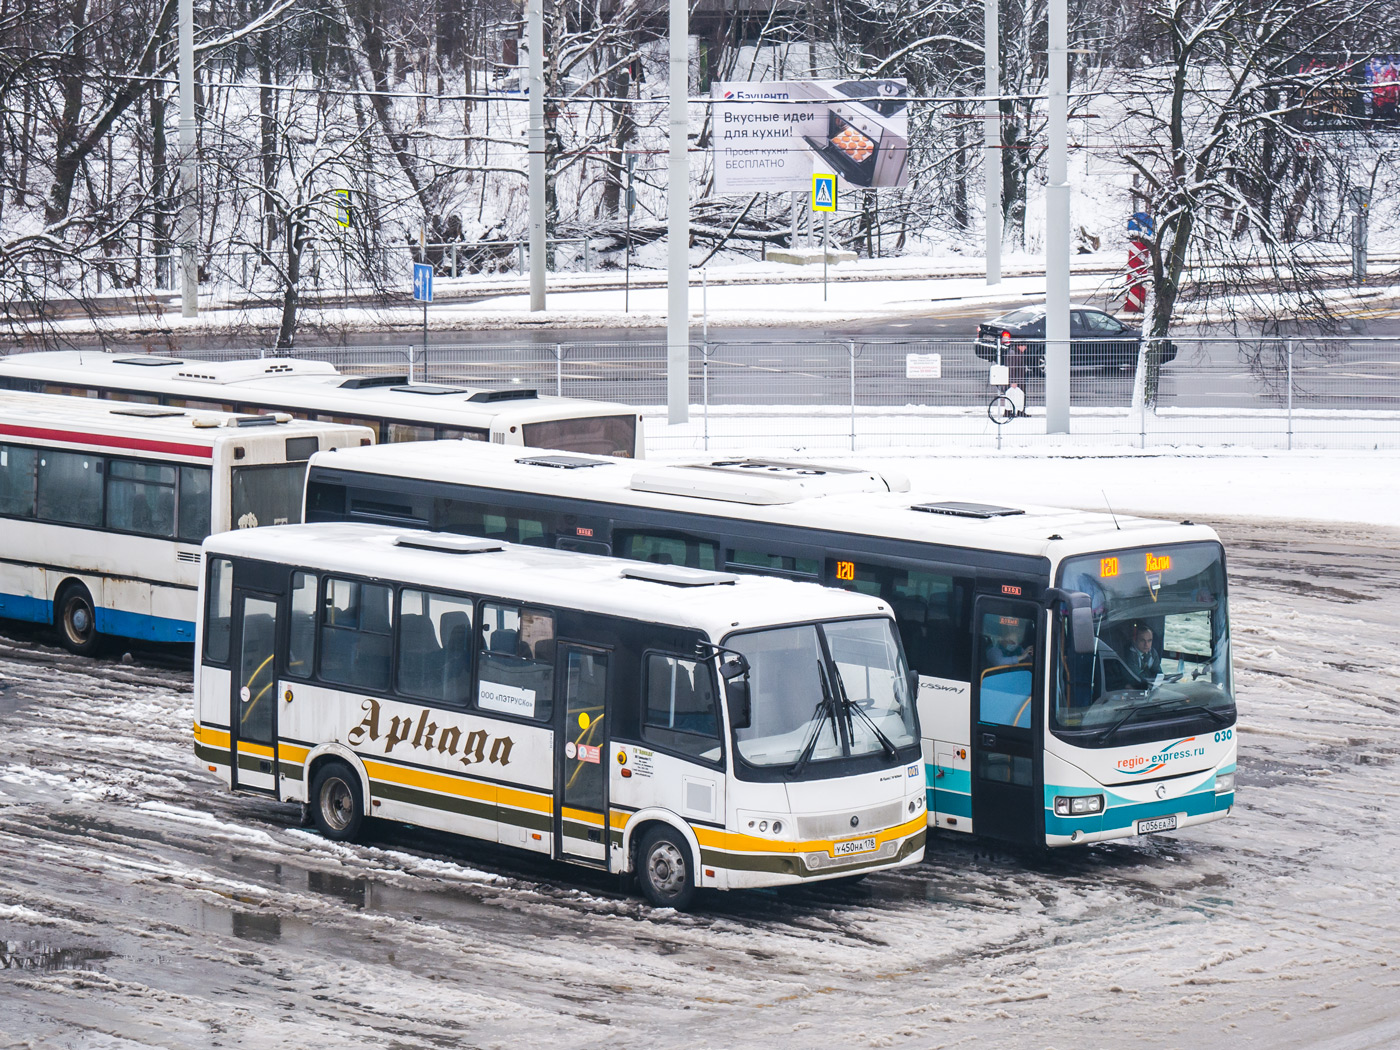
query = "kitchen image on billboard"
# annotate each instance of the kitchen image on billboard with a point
(866, 137)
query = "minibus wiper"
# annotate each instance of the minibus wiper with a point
(885, 742)
(823, 711)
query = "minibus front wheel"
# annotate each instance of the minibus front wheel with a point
(665, 870)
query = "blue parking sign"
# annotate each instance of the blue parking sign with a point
(422, 282)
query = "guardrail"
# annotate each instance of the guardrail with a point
(1264, 393)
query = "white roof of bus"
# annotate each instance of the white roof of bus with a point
(75, 416)
(315, 384)
(878, 511)
(543, 576)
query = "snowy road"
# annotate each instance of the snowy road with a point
(140, 906)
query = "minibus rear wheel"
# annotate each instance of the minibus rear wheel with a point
(337, 805)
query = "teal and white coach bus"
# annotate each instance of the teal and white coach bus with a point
(1075, 678)
(696, 728)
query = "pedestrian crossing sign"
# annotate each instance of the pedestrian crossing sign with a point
(823, 192)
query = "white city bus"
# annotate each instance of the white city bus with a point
(1041, 724)
(394, 408)
(561, 703)
(103, 506)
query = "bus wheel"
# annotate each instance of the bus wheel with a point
(336, 805)
(75, 619)
(665, 872)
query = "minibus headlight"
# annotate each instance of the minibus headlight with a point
(1224, 783)
(1077, 805)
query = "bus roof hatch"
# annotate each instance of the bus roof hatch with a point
(677, 575)
(447, 543)
(760, 482)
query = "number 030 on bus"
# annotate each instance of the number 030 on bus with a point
(696, 728)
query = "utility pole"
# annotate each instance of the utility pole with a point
(189, 172)
(678, 223)
(534, 32)
(1057, 229)
(991, 164)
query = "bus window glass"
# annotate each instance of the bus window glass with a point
(373, 424)
(494, 523)
(786, 687)
(435, 644)
(267, 495)
(930, 608)
(1007, 647)
(141, 497)
(454, 434)
(302, 448)
(680, 712)
(516, 670)
(666, 548)
(301, 628)
(355, 639)
(749, 560)
(872, 675)
(598, 435)
(17, 480)
(70, 488)
(195, 509)
(218, 616)
(410, 432)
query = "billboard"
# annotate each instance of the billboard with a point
(1336, 95)
(775, 135)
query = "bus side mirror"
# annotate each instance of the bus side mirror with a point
(736, 692)
(735, 672)
(1081, 618)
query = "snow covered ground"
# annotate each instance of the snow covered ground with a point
(142, 907)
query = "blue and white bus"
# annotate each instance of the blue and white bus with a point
(1074, 669)
(103, 506)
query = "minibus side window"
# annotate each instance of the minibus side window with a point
(681, 714)
(355, 638)
(516, 662)
(218, 612)
(301, 626)
(435, 646)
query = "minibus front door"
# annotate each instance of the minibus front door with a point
(254, 700)
(581, 750)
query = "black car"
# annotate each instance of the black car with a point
(1097, 340)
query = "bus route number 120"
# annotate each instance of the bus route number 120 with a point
(845, 570)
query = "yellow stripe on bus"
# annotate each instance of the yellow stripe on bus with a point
(733, 842)
(212, 737)
(583, 816)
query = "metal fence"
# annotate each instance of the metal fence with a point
(871, 394)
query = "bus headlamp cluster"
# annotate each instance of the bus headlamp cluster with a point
(916, 803)
(1077, 805)
(764, 826)
(1224, 783)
